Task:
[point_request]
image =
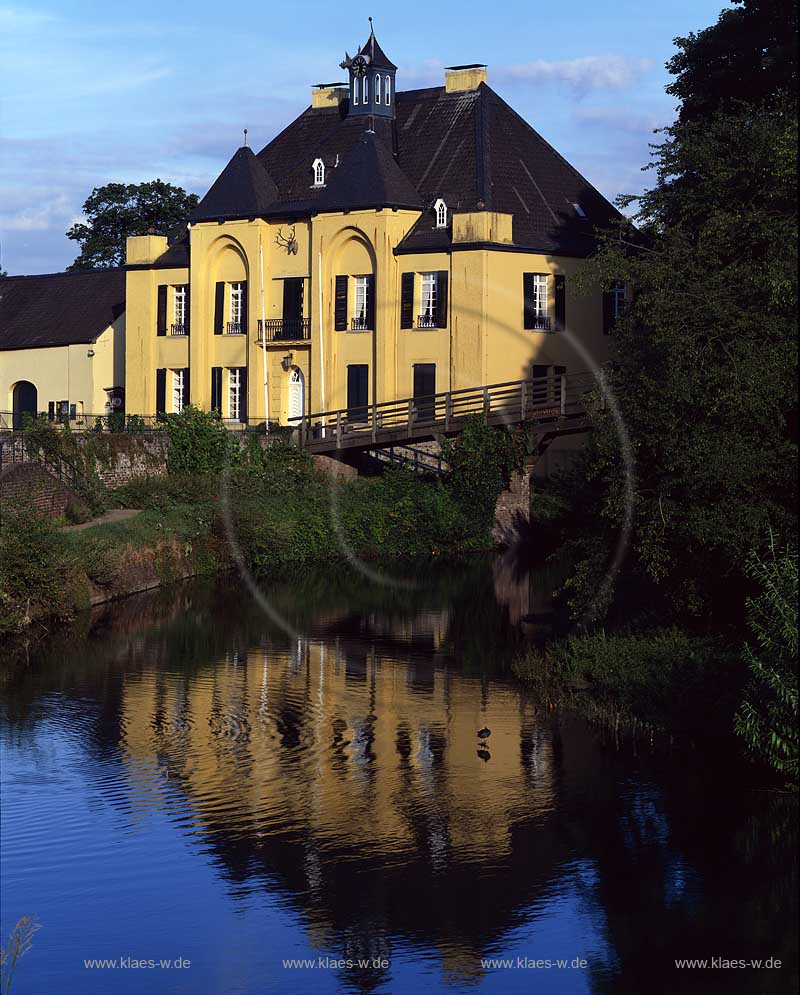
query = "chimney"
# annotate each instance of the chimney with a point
(329, 94)
(460, 78)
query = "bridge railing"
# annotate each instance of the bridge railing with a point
(537, 398)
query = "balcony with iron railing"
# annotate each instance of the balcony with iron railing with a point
(360, 324)
(540, 322)
(179, 328)
(426, 321)
(284, 329)
(235, 328)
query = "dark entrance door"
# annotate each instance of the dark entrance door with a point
(424, 389)
(357, 392)
(24, 402)
(292, 327)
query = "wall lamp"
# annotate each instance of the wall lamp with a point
(286, 362)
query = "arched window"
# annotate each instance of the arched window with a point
(319, 173)
(366, 90)
(440, 210)
(378, 89)
(355, 90)
(387, 89)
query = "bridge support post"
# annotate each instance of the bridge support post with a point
(513, 508)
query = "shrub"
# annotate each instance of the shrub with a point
(481, 461)
(767, 718)
(199, 442)
(59, 450)
(36, 572)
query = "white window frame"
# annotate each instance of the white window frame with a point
(235, 304)
(180, 293)
(440, 209)
(428, 296)
(539, 295)
(365, 90)
(177, 391)
(387, 89)
(361, 298)
(355, 91)
(234, 393)
(378, 88)
(318, 166)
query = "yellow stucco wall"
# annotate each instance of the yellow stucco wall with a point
(68, 373)
(484, 341)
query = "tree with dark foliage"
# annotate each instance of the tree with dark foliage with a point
(117, 210)
(705, 356)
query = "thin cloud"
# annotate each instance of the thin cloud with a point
(620, 119)
(580, 76)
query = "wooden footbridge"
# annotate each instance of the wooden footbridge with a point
(552, 406)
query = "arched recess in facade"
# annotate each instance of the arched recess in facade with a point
(24, 401)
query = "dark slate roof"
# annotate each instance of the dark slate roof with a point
(367, 177)
(244, 189)
(59, 309)
(377, 56)
(470, 148)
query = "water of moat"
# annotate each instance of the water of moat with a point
(183, 778)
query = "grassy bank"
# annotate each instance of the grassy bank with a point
(221, 504)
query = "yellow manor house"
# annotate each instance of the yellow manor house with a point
(387, 244)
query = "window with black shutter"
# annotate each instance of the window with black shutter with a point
(441, 299)
(357, 392)
(340, 304)
(424, 389)
(161, 393)
(161, 311)
(560, 301)
(370, 301)
(407, 300)
(243, 394)
(243, 320)
(187, 312)
(534, 301)
(216, 388)
(185, 397)
(219, 308)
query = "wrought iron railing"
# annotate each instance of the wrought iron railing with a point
(426, 321)
(284, 329)
(235, 328)
(359, 324)
(541, 322)
(179, 328)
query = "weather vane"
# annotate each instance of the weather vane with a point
(245, 137)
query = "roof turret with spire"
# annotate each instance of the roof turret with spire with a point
(372, 80)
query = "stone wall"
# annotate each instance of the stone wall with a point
(512, 511)
(30, 486)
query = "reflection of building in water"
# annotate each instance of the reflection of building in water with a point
(329, 760)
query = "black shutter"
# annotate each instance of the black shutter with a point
(340, 304)
(424, 387)
(529, 312)
(441, 299)
(186, 394)
(219, 308)
(161, 392)
(357, 391)
(216, 388)
(560, 296)
(161, 312)
(371, 302)
(243, 394)
(244, 322)
(186, 313)
(51, 410)
(407, 300)
(608, 311)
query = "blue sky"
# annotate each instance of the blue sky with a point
(94, 92)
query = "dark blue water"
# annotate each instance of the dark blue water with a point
(184, 780)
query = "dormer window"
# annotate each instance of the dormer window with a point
(579, 211)
(319, 173)
(440, 210)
